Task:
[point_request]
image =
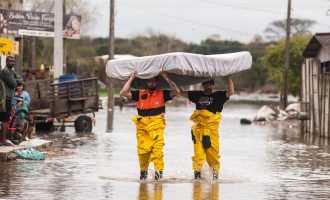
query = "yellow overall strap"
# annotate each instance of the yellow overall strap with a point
(205, 121)
(150, 124)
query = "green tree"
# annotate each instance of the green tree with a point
(256, 76)
(273, 61)
(210, 46)
(155, 43)
(79, 56)
(276, 30)
(76, 51)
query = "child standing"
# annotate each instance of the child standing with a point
(21, 101)
(21, 93)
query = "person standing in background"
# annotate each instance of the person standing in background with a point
(20, 92)
(10, 79)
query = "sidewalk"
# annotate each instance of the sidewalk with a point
(5, 151)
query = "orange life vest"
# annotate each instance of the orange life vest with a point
(150, 104)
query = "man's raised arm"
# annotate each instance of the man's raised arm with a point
(230, 87)
(125, 92)
(174, 88)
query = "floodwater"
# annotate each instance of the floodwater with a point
(257, 162)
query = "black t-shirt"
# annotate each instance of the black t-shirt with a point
(212, 102)
(153, 111)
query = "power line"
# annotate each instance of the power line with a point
(241, 7)
(301, 17)
(211, 25)
(188, 20)
(256, 9)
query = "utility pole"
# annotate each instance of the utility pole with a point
(328, 14)
(65, 55)
(58, 39)
(32, 53)
(287, 56)
(110, 81)
(16, 5)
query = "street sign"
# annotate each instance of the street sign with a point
(9, 47)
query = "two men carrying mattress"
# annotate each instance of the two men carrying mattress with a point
(150, 123)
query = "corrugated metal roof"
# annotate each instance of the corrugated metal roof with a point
(314, 45)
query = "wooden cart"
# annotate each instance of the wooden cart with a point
(56, 103)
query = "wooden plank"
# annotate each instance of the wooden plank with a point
(307, 127)
(324, 117)
(316, 103)
(307, 123)
(78, 99)
(303, 94)
(318, 95)
(320, 106)
(322, 96)
(305, 99)
(308, 99)
(327, 108)
(302, 79)
(311, 102)
(41, 111)
(60, 106)
(326, 105)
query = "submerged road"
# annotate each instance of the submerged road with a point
(257, 162)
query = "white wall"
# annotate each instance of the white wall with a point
(3, 61)
(323, 55)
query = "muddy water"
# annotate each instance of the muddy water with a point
(257, 162)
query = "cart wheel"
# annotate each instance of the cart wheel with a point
(19, 135)
(83, 124)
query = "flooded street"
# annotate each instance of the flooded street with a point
(257, 162)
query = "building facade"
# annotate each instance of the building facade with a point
(315, 85)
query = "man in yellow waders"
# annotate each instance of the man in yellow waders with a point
(205, 131)
(150, 122)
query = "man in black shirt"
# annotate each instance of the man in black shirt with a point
(150, 122)
(10, 79)
(205, 131)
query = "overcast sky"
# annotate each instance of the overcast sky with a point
(195, 20)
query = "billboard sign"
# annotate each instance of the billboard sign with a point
(71, 26)
(39, 24)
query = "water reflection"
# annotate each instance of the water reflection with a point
(295, 135)
(6, 179)
(69, 140)
(257, 162)
(205, 191)
(300, 162)
(155, 192)
(310, 139)
(200, 190)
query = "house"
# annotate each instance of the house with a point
(315, 85)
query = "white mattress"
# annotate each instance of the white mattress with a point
(183, 68)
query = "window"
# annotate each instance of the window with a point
(325, 68)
